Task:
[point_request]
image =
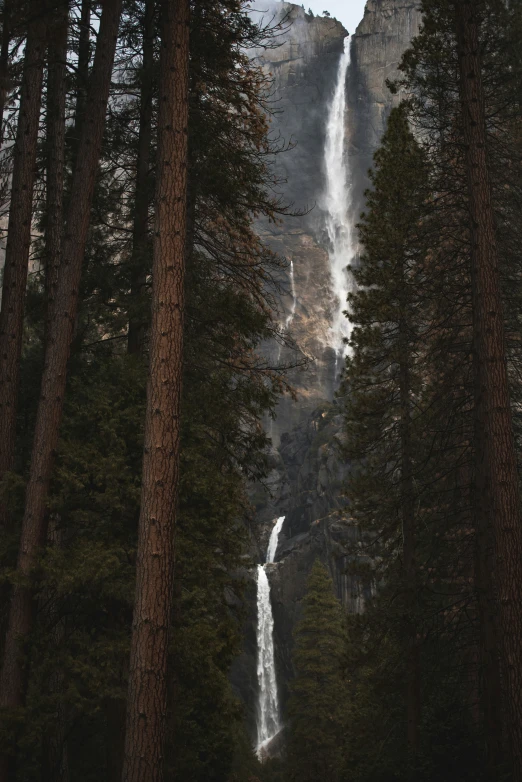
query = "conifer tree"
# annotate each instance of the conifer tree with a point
(147, 699)
(19, 232)
(407, 433)
(63, 306)
(318, 706)
(497, 481)
(382, 373)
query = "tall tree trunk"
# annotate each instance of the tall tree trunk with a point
(63, 304)
(140, 233)
(19, 235)
(496, 465)
(4, 61)
(146, 703)
(82, 72)
(55, 127)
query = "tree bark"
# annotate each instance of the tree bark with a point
(496, 466)
(146, 703)
(63, 303)
(140, 233)
(82, 72)
(55, 127)
(19, 236)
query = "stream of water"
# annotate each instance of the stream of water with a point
(268, 717)
(337, 204)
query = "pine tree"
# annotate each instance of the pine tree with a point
(497, 480)
(382, 373)
(318, 705)
(147, 699)
(19, 233)
(63, 306)
(478, 168)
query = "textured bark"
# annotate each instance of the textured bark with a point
(82, 72)
(140, 233)
(19, 235)
(496, 467)
(55, 126)
(146, 703)
(4, 61)
(63, 306)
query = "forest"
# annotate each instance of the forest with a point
(138, 297)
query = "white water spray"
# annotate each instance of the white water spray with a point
(337, 203)
(268, 719)
(290, 316)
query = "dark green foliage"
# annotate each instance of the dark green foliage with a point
(78, 654)
(400, 330)
(318, 703)
(387, 328)
(414, 311)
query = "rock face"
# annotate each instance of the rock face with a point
(303, 71)
(308, 469)
(377, 47)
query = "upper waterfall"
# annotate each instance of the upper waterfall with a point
(337, 204)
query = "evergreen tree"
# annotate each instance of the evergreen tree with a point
(76, 655)
(318, 705)
(382, 374)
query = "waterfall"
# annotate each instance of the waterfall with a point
(268, 720)
(337, 203)
(290, 316)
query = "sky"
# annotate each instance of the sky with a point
(349, 12)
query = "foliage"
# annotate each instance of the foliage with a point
(317, 708)
(77, 656)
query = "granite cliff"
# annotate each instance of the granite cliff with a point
(308, 474)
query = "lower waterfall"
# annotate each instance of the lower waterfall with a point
(268, 717)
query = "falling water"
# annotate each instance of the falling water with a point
(268, 721)
(290, 316)
(337, 203)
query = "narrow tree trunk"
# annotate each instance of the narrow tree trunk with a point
(496, 465)
(140, 233)
(82, 72)
(19, 236)
(146, 703)
(4, 61)
(63, 305)
(55, 127)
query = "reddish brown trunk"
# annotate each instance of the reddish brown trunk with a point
(146, 703)
(63, 306)
(496, 466)
(19, 236)
(56, 100)
(140, 234)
